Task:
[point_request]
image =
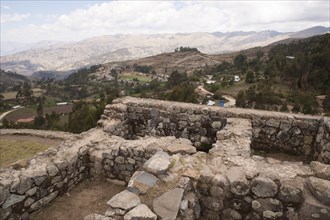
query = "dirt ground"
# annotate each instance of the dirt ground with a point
(86, 198)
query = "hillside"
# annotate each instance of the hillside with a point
(10, 79)
(97, 50)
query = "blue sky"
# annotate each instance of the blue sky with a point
(30, 21)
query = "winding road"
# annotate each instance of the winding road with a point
(5, 113)
(231, 101)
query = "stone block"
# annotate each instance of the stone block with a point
(12, 200)
(238, 182)
(291, 191)
(263, 187)
(125, 200)
(158, 164)
(320, 189)
(141, 182)
(45, 200)
(167, 205)
(321, 170)
(141, 212)
(181, 149)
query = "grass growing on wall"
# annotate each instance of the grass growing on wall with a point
(14, 150)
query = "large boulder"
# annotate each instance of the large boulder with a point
(320, 189)
(125, 200)
(158, 163)
(291, 191)
(263, 187)
(141, 182)
(167, 205)
(141, 212)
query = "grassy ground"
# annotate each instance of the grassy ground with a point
(131, 76)
(14, 148)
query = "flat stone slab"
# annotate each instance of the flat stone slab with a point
(125, 200)
(158, 163)
(141, 182)
(141, 212)
(320, 189)
(181, 149)
(167, 205)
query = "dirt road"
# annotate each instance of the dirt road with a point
(231, 101)
(5, 113)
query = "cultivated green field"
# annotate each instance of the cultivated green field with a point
(131, 76)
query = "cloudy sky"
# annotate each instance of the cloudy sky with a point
(31, 21)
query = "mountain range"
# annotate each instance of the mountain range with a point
(68, 56)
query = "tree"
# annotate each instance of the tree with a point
(176, 78)
(250, 77)
(183, 93)
(260, 54)
(240, 100)
(239, 61)
(39, 120)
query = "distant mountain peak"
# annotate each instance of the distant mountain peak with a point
(63, 57)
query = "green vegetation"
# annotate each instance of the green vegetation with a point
(289, 75)
(142, 69)
(259, 97)
(136, 77)
(186, 49)
(287, 78)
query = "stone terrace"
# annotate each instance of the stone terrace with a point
(150, 146)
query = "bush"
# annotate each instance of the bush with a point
(250, 77)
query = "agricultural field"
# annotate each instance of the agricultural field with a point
(31, 112)
(133, 75)
(9, 95)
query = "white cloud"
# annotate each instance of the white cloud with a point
(5, 7)
(150, 17)
(6, 18)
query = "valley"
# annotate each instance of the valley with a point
(66, 57)
(261, 78)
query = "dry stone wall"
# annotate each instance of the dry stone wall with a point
(46, 176)
(322, 151)
(272, 131)
(225, 183)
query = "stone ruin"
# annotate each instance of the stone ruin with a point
(185, 161)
